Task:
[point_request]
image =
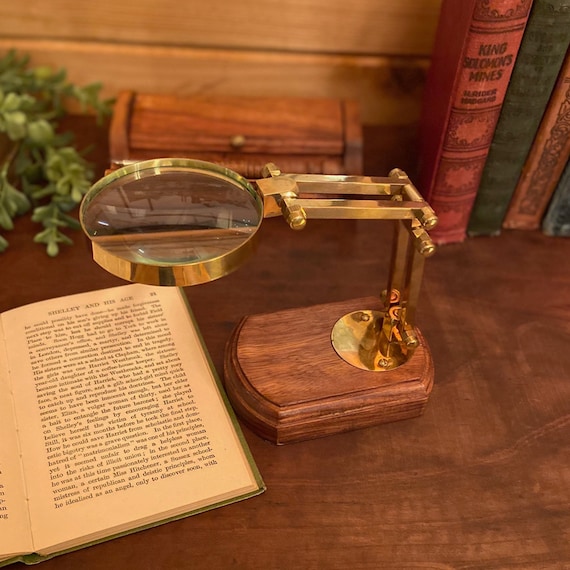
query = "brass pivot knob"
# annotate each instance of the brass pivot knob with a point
(294, 215)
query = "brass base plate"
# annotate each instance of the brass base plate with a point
(355, 339)
(288, 384)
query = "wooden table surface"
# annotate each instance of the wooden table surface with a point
(481, 480)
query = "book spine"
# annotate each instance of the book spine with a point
(538, 63)
(477, 45)
(556, 222)
(546, 160)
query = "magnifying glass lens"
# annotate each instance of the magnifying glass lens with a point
(171, 213)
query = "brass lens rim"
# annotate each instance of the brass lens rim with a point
(183, 274)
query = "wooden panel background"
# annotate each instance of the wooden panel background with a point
(376, 51)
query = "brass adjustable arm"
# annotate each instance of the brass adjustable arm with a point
(298, 197)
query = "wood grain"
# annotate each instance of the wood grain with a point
(384, 27)
(481, 481)
(373, 51)
(287, 383)
(298, 134)
(387, 88)
(275, 124)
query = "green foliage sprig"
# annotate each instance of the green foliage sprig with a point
(40, 170)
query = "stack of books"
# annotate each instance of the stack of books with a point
(494, 143)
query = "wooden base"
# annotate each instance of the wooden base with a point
(287, 383)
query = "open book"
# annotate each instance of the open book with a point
(111, 420)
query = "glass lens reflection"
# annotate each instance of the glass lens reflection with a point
(172, 215)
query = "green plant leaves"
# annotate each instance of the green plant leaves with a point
(41, 132)
(39, 167)
(53, 219)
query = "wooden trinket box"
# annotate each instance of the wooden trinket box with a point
(318, 136)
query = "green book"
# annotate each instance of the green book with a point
(540, 58)
(112, 420)
(556, 221)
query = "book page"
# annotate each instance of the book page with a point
(121, 421)
(15, 537)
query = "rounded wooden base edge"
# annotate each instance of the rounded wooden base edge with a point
(281, 424)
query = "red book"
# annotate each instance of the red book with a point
(475, 49)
